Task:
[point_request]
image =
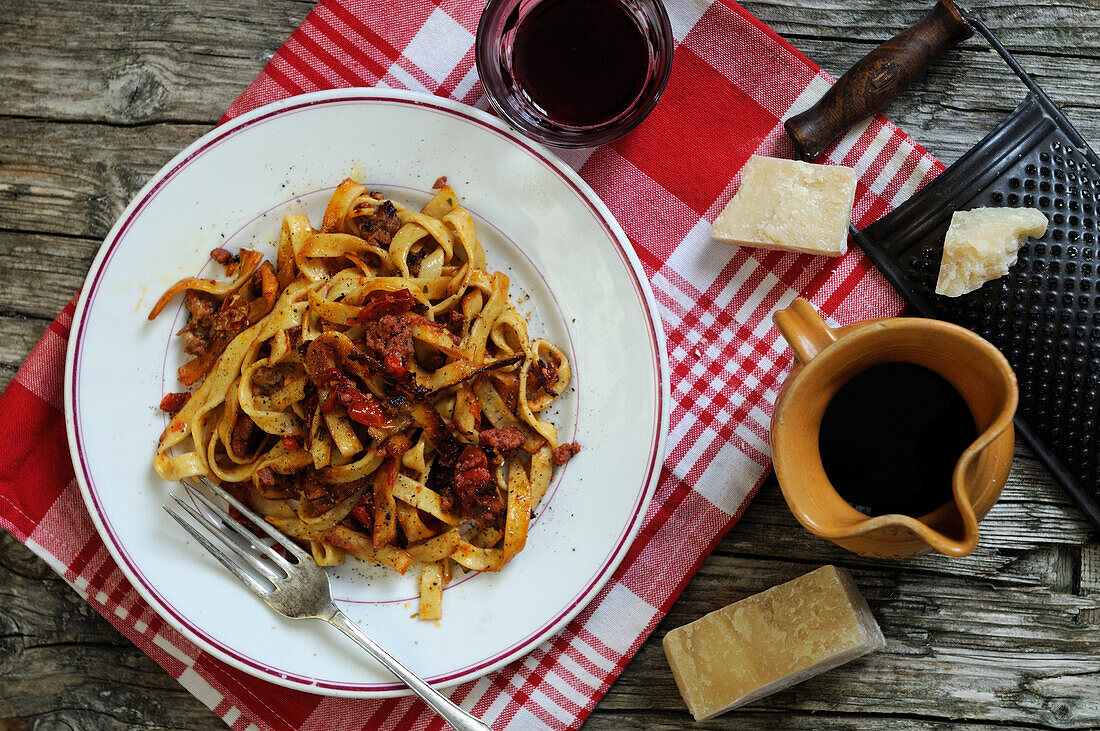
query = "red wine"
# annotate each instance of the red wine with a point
(891, 436)
(581, 62)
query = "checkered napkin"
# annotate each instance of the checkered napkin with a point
(733, 81)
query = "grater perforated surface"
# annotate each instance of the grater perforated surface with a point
(1045, 314)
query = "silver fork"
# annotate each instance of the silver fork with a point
(296, 589)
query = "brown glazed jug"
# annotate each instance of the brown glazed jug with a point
(825, 359)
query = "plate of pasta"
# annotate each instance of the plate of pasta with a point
(414, 342)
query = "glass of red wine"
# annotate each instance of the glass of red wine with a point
(574, 73)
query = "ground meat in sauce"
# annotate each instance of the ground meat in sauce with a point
(363, 513)
(543, 375)
(380, 226)
(440, 183)
(455, 321)
(173, 402)
(322, 495)
(246, 436)
(197, 333)
(266, 380)
(316, 492)
(239, 490)
(201, 305)
(390, 339)
(265, 479)
(273, 485)
(341, 390)
(504, 439)
(257, 282)
(209, 326)
(551, 372)
(229, 323)
(433, 360)
(414, 259)
(564, 453)
(196, 339)
(474, 491)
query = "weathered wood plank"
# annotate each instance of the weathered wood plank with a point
(75, 179)
(1089, 577)
(61, 663)
(136, 62)
(758, 719)
(163, 68)
(1026, 28)
(179, 62)
(40, 274)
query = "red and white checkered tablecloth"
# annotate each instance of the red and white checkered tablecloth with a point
(733, 81)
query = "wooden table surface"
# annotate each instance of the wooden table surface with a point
(98, 95)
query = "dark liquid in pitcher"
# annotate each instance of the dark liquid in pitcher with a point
(890, 439)
(581, 62)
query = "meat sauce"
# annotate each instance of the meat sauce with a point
(564, 453)
(474, 491)
(504, 439)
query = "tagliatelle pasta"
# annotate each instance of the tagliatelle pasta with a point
(374, 392)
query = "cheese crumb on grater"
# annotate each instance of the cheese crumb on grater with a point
(771, 641)
(982, 244)
(790, 205)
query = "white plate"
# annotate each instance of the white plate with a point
(539, 223)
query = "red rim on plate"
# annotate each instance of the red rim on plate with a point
(75, 423)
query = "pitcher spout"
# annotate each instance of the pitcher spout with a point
(951, 530)
(955, 530)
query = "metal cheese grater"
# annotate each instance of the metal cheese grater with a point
(1045, 314)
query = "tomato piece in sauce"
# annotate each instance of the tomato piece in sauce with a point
(381, 303)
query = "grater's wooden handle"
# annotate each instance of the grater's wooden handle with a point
(877, 79)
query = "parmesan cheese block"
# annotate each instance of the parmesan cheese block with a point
(982, 244)
(790, 205)
(771, 641)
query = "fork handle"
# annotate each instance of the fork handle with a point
(452, 714)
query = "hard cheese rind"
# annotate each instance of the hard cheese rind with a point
(982, 244)
(770, 641)
(790, 205)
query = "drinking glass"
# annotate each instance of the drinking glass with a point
(494, 53)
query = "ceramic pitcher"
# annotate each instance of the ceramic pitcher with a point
(825, 359)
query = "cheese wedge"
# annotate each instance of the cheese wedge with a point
(790, 205)
(982, 245)
(771, 641)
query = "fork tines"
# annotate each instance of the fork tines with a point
(260, 566)
(270, 530)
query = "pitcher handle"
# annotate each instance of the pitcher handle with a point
(804, 330)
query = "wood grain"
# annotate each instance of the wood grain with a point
(99, 95)
(1028, 28)
(131, 63)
